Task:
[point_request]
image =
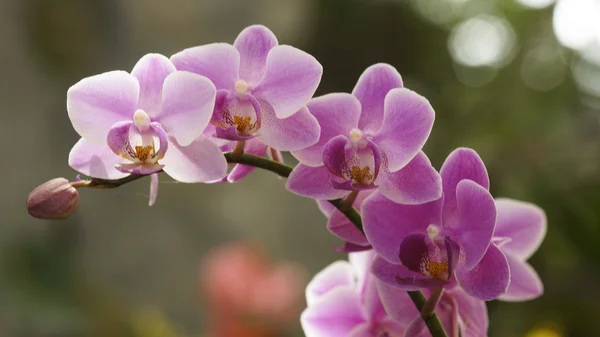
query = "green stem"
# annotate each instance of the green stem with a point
(431, 320)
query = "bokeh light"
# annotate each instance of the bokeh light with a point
(537, 4)
(484, 40)
(577, 23)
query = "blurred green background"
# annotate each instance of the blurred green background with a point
(517, 80)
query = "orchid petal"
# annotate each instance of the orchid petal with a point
(416, 183)
(525, 284)
(337, 274)
(254, 44)
(477, 219)
(462, 163)
(398, 275)
(387, 223)
(522, 222)
(187, 105)
(290, 79)
(488, 279)
(200, 161)
(95, 160)
(407, 121)
(151, 71)
(371, 90)
(336, 314)
(293, 133)
(337, 114)
(96, 103)
(397, 303)
(472, 313)
(312, 182)
(412, 250)
(220, 62)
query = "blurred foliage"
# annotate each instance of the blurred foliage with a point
(539, 145)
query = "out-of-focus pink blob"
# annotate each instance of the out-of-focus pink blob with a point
(248, 294)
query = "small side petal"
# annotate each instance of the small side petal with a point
(476, 219)
(525, 284)
(462, 163)
(254, 44)
(407, 121)
(312, 182)
(387, 223)
(489, 279)
(151, 71)
(240, 171)
(293, 133)
(390, 273)
(524, 223)
(201, 161)
(290, 80)
(337, 114)
(335, 314)
(416, 183)
(371, 89)
(220, 62)
(337, 274)
(96, 103)
(95, 160)
(187, 106)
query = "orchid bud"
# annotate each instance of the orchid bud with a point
(55, 199)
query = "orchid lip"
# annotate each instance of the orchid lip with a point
(143, 150)
(239, 116)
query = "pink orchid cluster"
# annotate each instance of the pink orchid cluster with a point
(440, 232)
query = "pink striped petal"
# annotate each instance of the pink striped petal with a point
(337, 274)
(201, 161)
(523, 223)
(95, 160)
(151, 71)
(254, 44)
(293, 133)
(407, 121)
(476, 218)
(220, 62)
(337, 114)
(96, 103)
(371, 89)
(187, 105)
(489, 279)
(525, 284)
(290, 79)
(462, 163)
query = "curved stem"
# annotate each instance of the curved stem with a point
(431, 320)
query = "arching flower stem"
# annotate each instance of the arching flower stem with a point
(423, 305)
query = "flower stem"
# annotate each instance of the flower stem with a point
(431, 320)
(239, 149)
(349, 201)
(429, 307)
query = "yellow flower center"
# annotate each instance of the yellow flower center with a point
(361, 175)
(144, 152)
(438, 270)
(241, 123)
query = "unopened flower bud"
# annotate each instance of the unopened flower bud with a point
(55, 199)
